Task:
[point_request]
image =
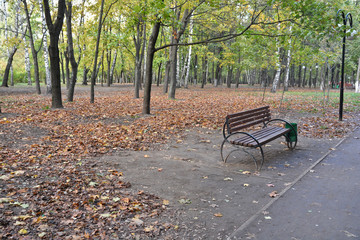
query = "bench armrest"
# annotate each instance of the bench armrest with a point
(282, 120)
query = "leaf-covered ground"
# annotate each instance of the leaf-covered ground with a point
(49, 190)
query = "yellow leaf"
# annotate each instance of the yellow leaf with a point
(246, 184)
(218, 215)
(23, 231)
(166, 202)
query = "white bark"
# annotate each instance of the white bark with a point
(187, 67)
(27, 61)
(178, 70)
(278, 66)
(45, 49)
(286, 81)
(357, 83)
(113, 65)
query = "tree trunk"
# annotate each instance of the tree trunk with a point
(85, 72)
(33, 51)
(113, 67)
(159, 74)
(287, 74)
(108, 58)
(149, 68)
(316, 75)
(74, 65)
(8, 66)
(195, 69)
(310, 77)
(62, 68)
(304, 77)
(229, 77)
(357, 83)
(93, 74)
(204, 66)
(299, 76)
(27, 61)
(54, 31)
(166, 78)
(177, 34)
(138, 58)
(46, 51)
(173, 69)
(67, 69)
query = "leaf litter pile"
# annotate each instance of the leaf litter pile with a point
(49, 190)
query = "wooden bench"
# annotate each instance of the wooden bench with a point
(236, 122)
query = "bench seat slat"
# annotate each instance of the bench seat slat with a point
(259, 135)
(263, 136)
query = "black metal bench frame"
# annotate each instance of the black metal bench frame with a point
(236, 122)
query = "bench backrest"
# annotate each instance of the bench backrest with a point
(245, 119)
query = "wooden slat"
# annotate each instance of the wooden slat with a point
(245, 119)
(263, 136)
(246, 112)
(258, 134)
(248, 116)
(235, 129)
(239, 121)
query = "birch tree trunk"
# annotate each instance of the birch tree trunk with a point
(45, 50)
(286, 80)
(187, 67)
(278, 66)
(27, 61)
(357, 83)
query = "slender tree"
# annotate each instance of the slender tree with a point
(70, 47)
(94, 72)
(33, 50)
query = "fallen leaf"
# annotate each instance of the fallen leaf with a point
(5, 177)
(270, 185)
(23, 231)
(349, 234)
(218, 215)
(246, 172)
(5, 200)
(166, 202)
(246, 184)
(228, 179)
(41, 235)
(146, 156)
(18, 223)
(184, 201)
(267, 217)
(273, 194)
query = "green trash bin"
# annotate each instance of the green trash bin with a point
(292, 136)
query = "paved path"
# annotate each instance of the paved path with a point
(323, 204)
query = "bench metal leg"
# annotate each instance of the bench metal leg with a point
(242, 148)
(291, 145)
(262, 161)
